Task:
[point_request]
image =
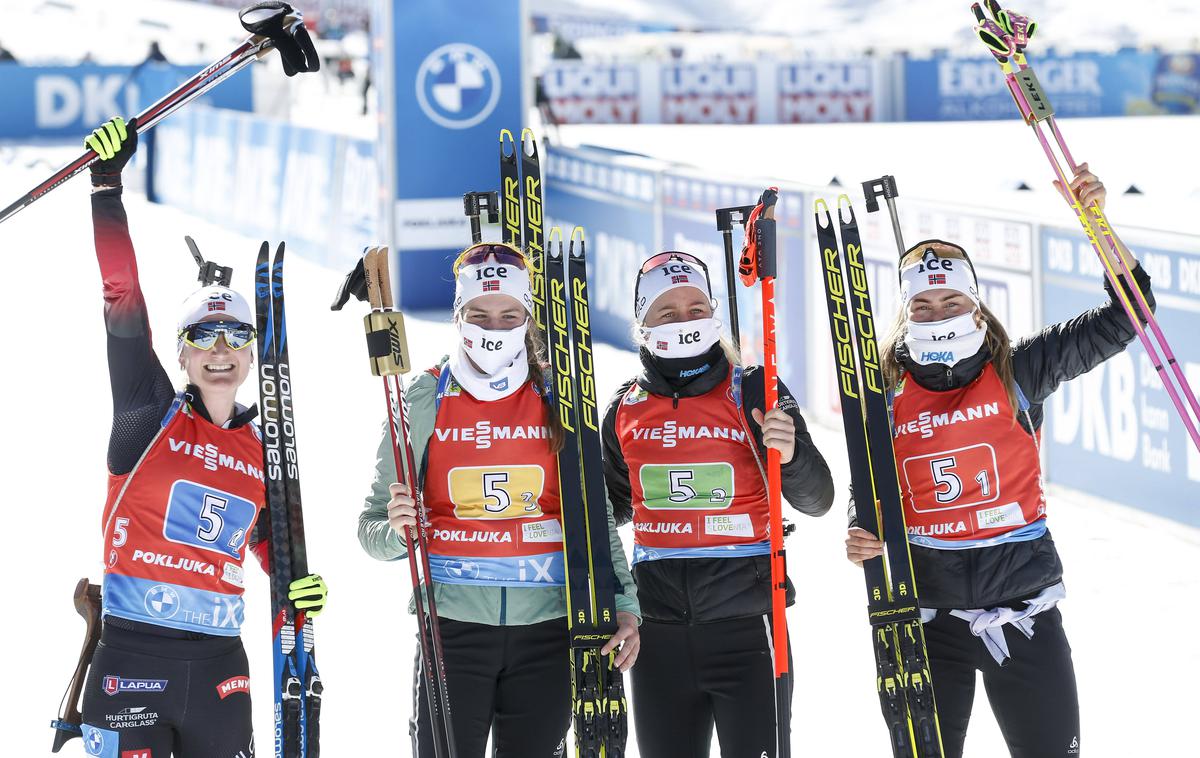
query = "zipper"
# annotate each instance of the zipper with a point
(675, 401)
(503, 605)
(687, 594)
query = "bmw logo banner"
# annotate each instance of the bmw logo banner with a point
(457, 79)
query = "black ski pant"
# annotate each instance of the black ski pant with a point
(1032, 695)
(154, 694)
(690, 677)
(512, 682)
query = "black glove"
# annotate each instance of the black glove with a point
(115, 142)
(355, 284)
(285, 27)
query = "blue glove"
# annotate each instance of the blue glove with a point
(308, 594)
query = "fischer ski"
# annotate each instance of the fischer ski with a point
(298, 686)
(898, 639)
(598, 702)
(387, 346)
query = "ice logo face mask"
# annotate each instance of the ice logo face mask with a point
(492, 349)
(947, 341)
(681, 339)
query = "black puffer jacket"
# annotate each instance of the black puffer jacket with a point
(1005, 574)
(698, 590)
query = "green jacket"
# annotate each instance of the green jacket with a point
(498, 606)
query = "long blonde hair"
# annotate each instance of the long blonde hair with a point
(996, 338)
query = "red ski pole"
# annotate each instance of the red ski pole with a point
(758, 264)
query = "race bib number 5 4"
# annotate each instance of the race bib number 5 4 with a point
(687, 486)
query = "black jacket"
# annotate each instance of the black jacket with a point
(1005, 574)
(697, 590)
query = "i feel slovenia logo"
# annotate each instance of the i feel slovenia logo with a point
(458, 85)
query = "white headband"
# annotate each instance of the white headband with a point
(667, 276)
(492, 278)
(214, 300)
(932, 272)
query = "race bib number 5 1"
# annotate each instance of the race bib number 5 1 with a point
(960, 478)
(687, 486)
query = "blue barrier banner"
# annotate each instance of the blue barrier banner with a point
(268, 179)
(1083, 84)
(1114, 431)
(70, 101)
(455, 80)
(615, 203)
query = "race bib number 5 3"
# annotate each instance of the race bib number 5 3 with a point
(496, 492)
(687, 486)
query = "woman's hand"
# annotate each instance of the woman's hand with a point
(778, 430)
(402, 508)
(1087, 186)
(861, 545)
(627, 638)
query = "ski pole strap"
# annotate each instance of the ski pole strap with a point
(387, 345)
(758, 250)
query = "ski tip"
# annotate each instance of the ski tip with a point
(555, 232)
(577, 231)
(508, 148)
(845, 204)
(532, 150)
(820, 206)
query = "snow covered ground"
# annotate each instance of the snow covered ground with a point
(1130, 576)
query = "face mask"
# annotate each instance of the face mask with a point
(492, 349)
(948, 341)
(682, 339)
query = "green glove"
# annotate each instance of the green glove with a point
(115, 142)
(308, 594)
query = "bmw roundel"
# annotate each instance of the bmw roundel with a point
(162, 601)
(458, 85)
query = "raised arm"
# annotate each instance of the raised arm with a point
(141, 389)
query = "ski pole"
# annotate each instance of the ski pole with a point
(284, 27)
(885, 186)
(758, 263)
(1006, 36)
(387, 346)
(725, 221)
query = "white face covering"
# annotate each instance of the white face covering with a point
(682, 339)
(492, 349)
(948, 341)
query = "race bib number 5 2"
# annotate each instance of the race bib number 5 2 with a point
(687, 486)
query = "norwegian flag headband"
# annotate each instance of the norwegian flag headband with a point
(933, 272)
(666, 271)
(493, 272)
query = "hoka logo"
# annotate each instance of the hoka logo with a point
(938, 530)
(669, 528)
(944, 356)
(174, 562)
(483, 434)
(927, 422)
(462, 535)
(671, 432)
(213, 458)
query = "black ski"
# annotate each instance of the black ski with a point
(598, 700)
(903, 679)
(532, 231)
(298, 686)
(510, 190)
